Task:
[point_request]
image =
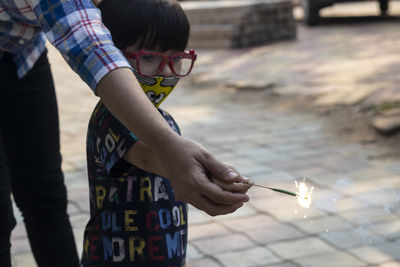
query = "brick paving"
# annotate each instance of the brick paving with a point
(354, 219)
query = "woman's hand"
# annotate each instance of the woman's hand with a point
(236, 187)
(141, 156)
(189, 167)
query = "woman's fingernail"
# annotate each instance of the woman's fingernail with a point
(231, 175)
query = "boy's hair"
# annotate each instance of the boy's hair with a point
(151, 24)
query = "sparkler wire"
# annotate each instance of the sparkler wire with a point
(278, 190)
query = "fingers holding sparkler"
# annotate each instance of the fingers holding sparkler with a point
(303, 194)
(241, 184)
(235, 187)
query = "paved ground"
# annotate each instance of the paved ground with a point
(354, 219)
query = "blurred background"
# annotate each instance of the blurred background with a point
(285, 91)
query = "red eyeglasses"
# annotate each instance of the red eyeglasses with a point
(153, 63)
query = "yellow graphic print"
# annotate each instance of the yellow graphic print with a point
(156, 92)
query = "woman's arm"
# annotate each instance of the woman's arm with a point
(141, 156)
(75, 29)
(185, 163)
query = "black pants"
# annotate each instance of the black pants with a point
(30, 165)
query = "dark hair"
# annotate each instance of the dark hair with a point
(151, 24)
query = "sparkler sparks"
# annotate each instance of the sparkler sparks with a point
(304, 194)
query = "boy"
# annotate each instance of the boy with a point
(136, 219)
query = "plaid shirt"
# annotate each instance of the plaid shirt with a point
(74, 27)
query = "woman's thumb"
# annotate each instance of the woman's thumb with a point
(221, 171)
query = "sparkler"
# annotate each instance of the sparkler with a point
(277, 190)
(304, 194)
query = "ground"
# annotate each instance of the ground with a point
(347, 122)
(356, 128)
(299, 113)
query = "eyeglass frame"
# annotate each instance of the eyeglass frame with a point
(165, 59)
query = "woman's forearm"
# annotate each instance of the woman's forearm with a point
(142, 157)
(121, 93)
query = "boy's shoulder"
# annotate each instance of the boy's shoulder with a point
(165, 114)
(102, 121)
(171, 121)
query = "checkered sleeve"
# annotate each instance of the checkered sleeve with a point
(74, 27)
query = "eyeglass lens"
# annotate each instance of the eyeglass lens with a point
(150, 64)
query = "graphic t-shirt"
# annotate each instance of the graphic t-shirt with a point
(135, 219)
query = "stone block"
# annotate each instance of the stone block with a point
(283, 264)
(192, 253)
(262, 229)
(246, 210)
(20, 246)
(285, 208)
(390, 264)
(334, 203)
(351, 238)
(377, 254)
(19, 232)
(386, 124)
(197, 216)
(208, 230)
(256, 256)
(383, 198)
(332, 259)
(258, 221)
(215, 246)
(368, 217)
(80, 198)
(389, 229)
(309, 246)
(22, 260)
(203, 262)
(322, 225)
(244, 23)
(220, 31)
(275, 233)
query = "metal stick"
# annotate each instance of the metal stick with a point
(278, 190)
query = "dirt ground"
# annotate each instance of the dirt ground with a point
(348, 122)
(352, 124)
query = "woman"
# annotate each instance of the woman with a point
(30, 161)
